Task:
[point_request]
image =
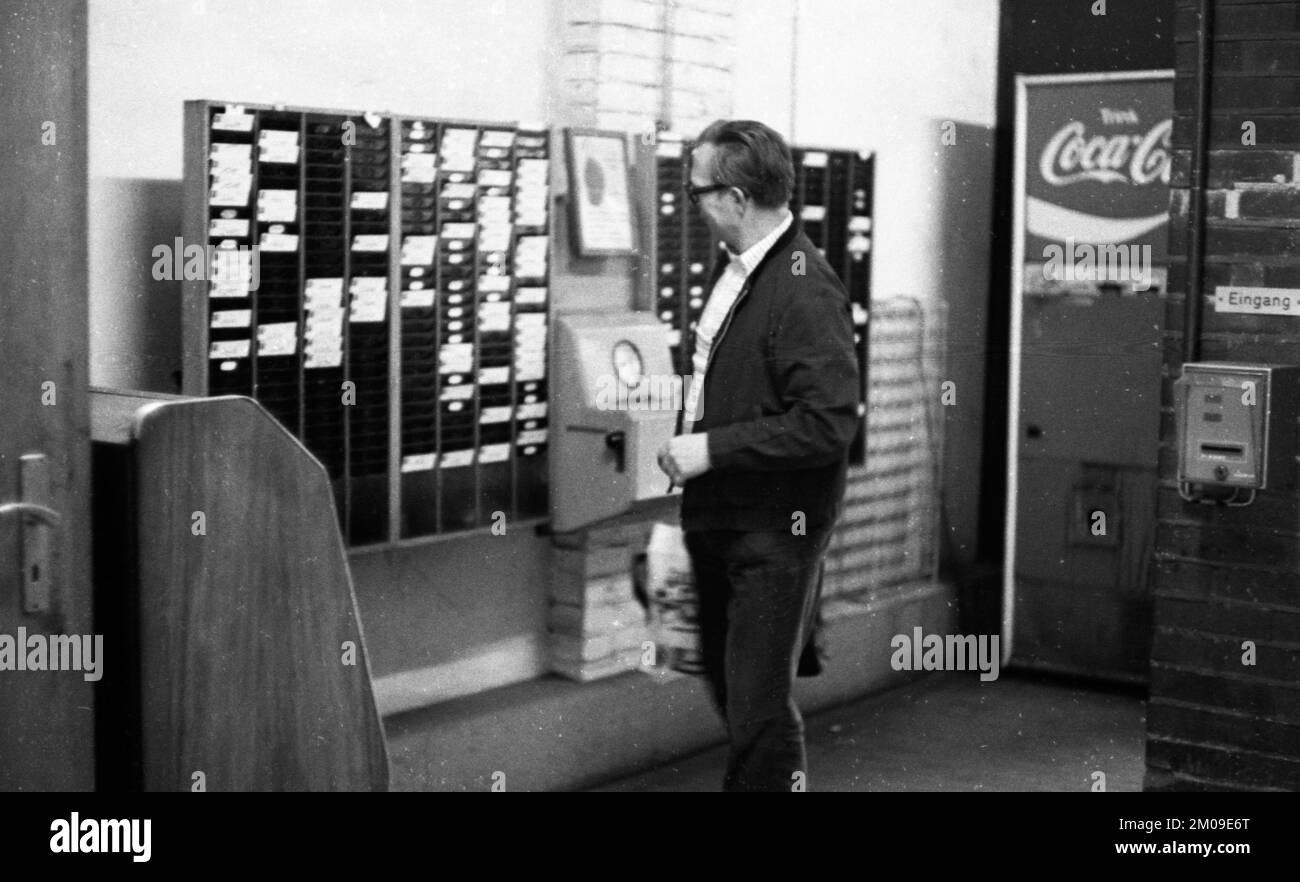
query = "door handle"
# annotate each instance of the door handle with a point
(36, 519)
(47, 516)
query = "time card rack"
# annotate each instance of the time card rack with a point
(683, 251)
(832, 199)
(379, 284)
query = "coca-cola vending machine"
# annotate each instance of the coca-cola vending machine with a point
(1089, 280)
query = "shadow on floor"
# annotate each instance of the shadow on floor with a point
(954, 732)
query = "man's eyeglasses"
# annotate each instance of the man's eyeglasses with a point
(695, 192)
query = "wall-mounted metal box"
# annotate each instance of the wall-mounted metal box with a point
(1237, 424)
(616, 404)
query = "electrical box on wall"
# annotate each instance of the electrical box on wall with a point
(1237, 425)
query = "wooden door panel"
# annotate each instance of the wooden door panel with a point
(46, 717)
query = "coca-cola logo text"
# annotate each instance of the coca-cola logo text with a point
(1072, 156)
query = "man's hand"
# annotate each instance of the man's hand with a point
(685, 457)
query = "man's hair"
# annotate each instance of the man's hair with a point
(751, 156)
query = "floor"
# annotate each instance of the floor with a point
(954, 732)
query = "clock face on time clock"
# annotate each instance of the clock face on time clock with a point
(627, 364)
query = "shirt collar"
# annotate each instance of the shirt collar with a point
(753, 255)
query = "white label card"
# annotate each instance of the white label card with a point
(419, 462)
(494, 453)
(365, 200)
(279, 242)
(455, 458)
(1257, 301)
(232, 119)
(231, 318)
(229, 349)
(221, 227)
(418, 299)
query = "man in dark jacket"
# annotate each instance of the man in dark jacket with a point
(772, 410)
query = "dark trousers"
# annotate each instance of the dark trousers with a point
(757, 594)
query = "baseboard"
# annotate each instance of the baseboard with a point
(499, 664)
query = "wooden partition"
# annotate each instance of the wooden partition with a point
(222, 582)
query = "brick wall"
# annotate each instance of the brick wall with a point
(1230, 575)
(595, 624)
(632, 65)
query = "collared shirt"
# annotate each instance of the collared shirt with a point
(724, 294)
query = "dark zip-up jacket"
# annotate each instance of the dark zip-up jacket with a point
(780, 398)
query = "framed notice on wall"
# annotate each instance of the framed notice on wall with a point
(601, 209)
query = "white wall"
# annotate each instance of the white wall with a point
(484, 59)
(764, 55)
(884, 75)
(440, 57)
(879, 75)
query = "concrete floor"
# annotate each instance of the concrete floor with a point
(954, 732)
